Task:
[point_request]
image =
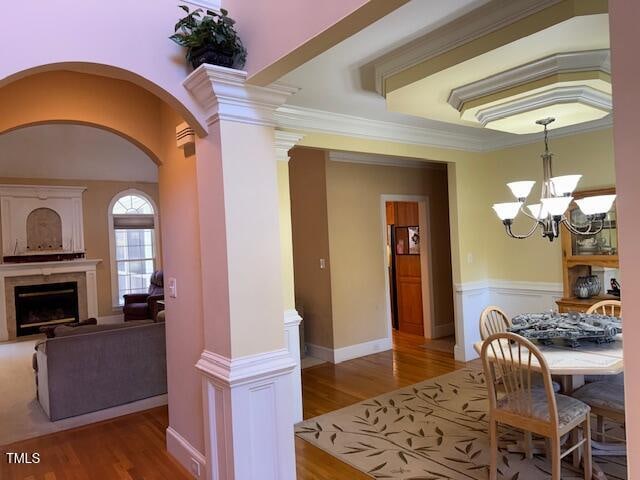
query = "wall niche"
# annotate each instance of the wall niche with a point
(44, 230)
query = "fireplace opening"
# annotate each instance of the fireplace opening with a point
(45, 304)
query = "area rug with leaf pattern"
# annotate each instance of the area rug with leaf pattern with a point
(433, 430)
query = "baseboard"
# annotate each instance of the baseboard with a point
(445, 330)
(111, 319)
(186, 455)
(361, 349)
(318, 351)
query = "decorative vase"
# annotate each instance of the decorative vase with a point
(209, 54)
(594, 285)
(583, 287)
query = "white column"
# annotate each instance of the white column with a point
(248, 372)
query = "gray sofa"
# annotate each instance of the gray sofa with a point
(85, 369)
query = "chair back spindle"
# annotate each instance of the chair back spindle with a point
(493, 320)
(511, 363)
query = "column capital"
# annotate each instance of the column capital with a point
(225, 95)
(283, 142)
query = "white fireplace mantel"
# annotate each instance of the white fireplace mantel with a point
(18, 201)
(86, 266)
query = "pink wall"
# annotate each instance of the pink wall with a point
(88, 35)
(181, 256)
(624, 15)
(273, 30)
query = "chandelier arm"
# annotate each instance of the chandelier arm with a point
(509, 223)
(522, 209)
(576, 231)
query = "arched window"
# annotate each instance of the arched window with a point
(132, 222)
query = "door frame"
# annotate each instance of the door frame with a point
(426, 271)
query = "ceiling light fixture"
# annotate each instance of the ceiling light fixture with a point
(555, 198)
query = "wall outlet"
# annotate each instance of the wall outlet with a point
(195, 468)
(323, 264)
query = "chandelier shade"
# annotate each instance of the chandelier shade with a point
(555, 200)
(556, 206)
(537, 211)
(597, 205)
(566, 184)
(507, 211)
(521, 190)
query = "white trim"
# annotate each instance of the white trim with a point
(309, 120)
(185, 453)
(249, 415)
(382, 160)
(86, 266)
(318, 351)
(214, 5)
(321, 121)
(223, 92)
(582, 94)
(361, 349)
(115, 291)
(428, 308)
(513, 296)
(481, 21)
(283, 142)
(568, 62)
(292, 341)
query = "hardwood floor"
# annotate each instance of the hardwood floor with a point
(133, 447)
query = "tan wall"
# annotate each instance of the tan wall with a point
(356, 243)
(95, 203)
(311, 243)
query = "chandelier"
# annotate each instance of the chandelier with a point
(555, 198)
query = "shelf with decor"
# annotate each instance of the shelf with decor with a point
(589, 263)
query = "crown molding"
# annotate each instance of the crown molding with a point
(321, 121)
(580, 94)
(309, 120)
(591, 60)
(224, 94)
(283, 142)
(381, 160)
(514, 140)
(479, 22)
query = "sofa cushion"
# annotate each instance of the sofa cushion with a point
(65, 331)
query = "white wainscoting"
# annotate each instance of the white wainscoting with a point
(512, 296)
(292, 341)
(249, 412)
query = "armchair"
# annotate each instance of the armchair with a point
(141, 306)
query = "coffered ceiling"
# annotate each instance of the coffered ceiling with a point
(482, 71)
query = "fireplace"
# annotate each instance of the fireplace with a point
(45, 304)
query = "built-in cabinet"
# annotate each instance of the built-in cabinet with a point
(588, 255)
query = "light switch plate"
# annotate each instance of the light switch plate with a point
(173, 288)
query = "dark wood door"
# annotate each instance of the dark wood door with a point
(408, 274)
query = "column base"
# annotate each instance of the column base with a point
(292, 341)
(249, 416)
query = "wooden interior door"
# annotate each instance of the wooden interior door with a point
(408, 273)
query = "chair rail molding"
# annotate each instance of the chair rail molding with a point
(248, 401)
(512, 296)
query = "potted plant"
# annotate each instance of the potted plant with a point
(210, 38)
